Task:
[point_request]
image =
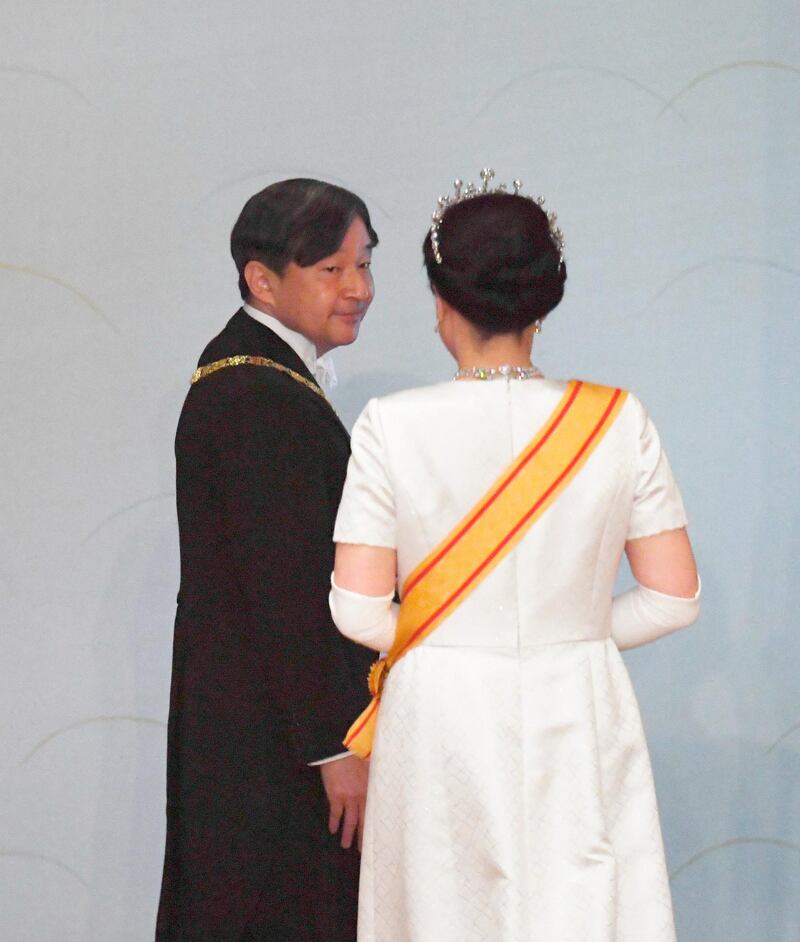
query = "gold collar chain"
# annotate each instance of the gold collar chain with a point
(243, 359)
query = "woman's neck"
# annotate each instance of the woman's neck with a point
(499, 350)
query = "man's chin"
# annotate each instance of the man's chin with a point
(348, 333)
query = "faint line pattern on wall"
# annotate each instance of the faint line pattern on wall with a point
(124, 510)
(53, 279)
(784, 735)
(717, 260)
(43, 858)
(48, 76)
(733, 842)
(595, 70)
(143, 720)
(282, 173)
(727, 67)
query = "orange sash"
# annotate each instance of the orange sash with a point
(494, 526)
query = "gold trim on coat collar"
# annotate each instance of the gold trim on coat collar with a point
(243, 359)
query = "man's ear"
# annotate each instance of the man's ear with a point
(261, 282)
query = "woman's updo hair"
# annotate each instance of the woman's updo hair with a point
(501, 267)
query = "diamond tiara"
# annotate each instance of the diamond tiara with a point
(470, 191)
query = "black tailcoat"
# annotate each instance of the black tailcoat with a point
(262, 682)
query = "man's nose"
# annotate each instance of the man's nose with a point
(359, 284)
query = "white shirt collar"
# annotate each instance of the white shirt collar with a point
(321, 368)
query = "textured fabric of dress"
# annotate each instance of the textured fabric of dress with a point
(511, 796)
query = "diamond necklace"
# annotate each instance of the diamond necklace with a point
(506, 371)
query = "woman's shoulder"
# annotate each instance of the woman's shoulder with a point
(398, 406)
(447, 400)
(407, 400)
(449, 391)
(631, 400)
(415, 395)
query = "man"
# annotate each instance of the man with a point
(263, 807)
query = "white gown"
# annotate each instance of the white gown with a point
(510, 795)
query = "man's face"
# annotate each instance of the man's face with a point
(327, 301)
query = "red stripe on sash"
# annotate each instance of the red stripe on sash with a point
(367, 716)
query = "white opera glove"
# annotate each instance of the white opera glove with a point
(367, 619)
(642, 615)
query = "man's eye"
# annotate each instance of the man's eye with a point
(331, 268)
(366, 265)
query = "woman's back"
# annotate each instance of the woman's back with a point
(438, 449)
(511, 795)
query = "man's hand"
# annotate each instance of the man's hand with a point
(345, 782)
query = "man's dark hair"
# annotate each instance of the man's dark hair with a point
(300, 221)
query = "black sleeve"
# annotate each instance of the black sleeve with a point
(281, 469)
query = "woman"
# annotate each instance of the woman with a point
(510, 795)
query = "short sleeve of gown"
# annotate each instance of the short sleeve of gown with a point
(367, 509)
(657, 503)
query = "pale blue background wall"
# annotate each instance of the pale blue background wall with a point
(667, 136)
